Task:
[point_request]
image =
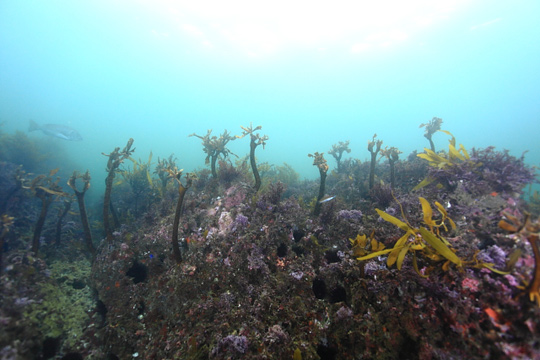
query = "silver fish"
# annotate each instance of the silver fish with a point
(326, 199)
(59, 131)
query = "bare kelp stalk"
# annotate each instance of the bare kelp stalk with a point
(215, 146)
(177, 174)
(82, 208)
(46, 190)
(431, 128)
(6, 223)
(337, 152)
(392, 154)
(371, 144)
(115, 160)
(61, 214)
(256, 140)
(320, 162)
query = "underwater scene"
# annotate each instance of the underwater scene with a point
(271, 180)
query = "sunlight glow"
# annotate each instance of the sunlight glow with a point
(263, 28)
(487, 23)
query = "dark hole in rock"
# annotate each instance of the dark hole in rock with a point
(298, 250)
(485, 325)
(282, 250)
(141, 308)
(486, 242)
(101, 309)
(112, 357)
(298, 234)
(326, 352)
(72, 356)
(138, 272)
(78, 284)
(286, 325)
(50, 347)
(332, 256)
(409, 349)
(319, 288)
(6, 247)
(338, 294)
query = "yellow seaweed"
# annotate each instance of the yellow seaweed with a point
(440, 246)
(393, 220)
(374, 254)
(427, 242)
(428, 212)
(442, 160)
(360, 245)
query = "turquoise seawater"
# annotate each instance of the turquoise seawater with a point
(310, 73)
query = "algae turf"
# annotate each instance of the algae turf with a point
(262, 277)
(249, 288)
(45, 310)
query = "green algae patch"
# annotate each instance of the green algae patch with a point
(65, 299)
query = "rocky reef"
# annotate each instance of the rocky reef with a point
(263, 276)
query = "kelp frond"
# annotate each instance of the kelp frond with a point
(428, 214)
(215, 147)
(362, 245)
(443, 160)
(529, 230)
(140, 169)
(426, 241)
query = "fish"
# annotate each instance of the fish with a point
(326, 199)
(55, 130)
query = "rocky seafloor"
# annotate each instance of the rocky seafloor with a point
(262, 277)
